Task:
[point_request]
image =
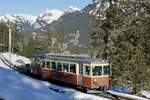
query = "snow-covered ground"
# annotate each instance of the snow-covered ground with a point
(73, 94)
(145, 94)
(128, 96)
(15, 86)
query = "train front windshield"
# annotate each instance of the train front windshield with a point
(106, 70)
(97, 70)
(101, 70)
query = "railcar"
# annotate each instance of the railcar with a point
(78, 70)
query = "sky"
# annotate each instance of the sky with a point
(35, 7)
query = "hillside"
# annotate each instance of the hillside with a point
(81, 22)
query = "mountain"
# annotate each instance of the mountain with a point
(30, 23)
(71, 9)
(77, 27)
(47, 17)
(24, 20)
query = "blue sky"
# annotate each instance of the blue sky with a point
(35, 7)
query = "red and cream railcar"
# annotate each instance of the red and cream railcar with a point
(86, 72)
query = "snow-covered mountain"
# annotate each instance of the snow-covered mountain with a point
(22, 18)
(30, 22)
(71, 9)
(47, 17)
(26, 21)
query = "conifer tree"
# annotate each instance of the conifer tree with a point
(3, 37)
(122, 37)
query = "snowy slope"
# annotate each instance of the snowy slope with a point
(14, 86)
(73, 94)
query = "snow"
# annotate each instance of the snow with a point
(145, 94)
(71, 9)
(14, 86)
(47, 17)
(26, 17)
(128, 96)
(126, 90)
(73, 94)
(23, 18)
(16, 59)
(3, 64)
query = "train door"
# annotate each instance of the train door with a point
(80, 79)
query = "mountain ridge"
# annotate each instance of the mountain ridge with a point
(30, 22)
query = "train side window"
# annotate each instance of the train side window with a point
(53, 65)
(65, 67)
(97, 70)
(43, 64)
(87, 70)
(73, 68)
(59, 66)
(48, 64)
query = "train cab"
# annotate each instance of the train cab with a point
(97, 75)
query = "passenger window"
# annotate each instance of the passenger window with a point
(97, 70)
(53, 65)
(65, 67)
(106, 70)
(38, 62)
(48, 64)
(43, 64)
(73, 68)
(59, 66)
(87, 70)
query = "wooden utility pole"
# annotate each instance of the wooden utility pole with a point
(9, 39)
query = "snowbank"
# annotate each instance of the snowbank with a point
(15, 59)
(128, 96)
(145, 94)
(2, 64)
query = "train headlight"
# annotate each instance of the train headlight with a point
(95, 80)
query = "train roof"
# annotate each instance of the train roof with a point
(82, 58)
